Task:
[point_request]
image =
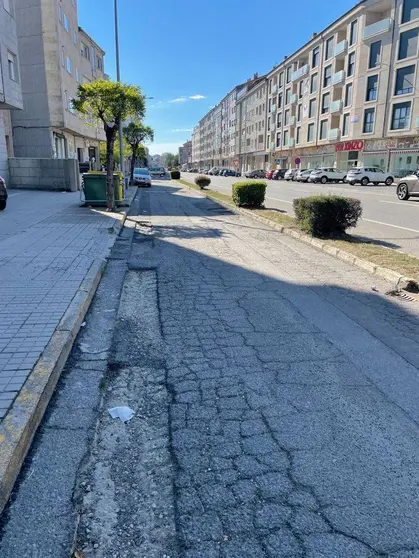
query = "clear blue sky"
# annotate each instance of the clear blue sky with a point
(178, 49)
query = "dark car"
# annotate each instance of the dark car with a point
(3, 194)
(230, 172)
(279, 174)
(255, 174)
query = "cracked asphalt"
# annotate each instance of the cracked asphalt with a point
(293, 415)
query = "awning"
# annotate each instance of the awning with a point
(405, 150)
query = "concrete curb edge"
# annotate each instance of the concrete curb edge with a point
(398, 281)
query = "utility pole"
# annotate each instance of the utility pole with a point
(118, 77)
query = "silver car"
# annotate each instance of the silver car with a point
(291, 174)
(303, 175)
(142, 177)
(408, 186)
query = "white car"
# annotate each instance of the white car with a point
(142, 177)
(303, 175)
(291, 174)
(327, 174)
(365, 175)
(408, 186)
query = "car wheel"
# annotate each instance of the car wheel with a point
(323, 179)
(3, 205)
(389, 181)
(365, 181)
(351, 183)
(344, 180)
(403, 192)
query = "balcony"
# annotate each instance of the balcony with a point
(272, 145)
(291, 142)
(336, 106)
(334, 134)
(338, 78)
(301, 72)
(341, 49)
(274, 89)
(273, 108)
(294, 99)
(293, 121)
(377, 28)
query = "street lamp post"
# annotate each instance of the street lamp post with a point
(118, 77)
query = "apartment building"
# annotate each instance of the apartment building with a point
(10, 89)
(349, 96)
(56, 55)
(185, 153)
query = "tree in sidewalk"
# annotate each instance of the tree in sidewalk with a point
(135, 134)
(112, 103)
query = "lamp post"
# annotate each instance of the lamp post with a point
(118, 77)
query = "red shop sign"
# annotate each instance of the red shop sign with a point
(356, 145)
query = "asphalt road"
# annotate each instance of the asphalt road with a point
(385, 218)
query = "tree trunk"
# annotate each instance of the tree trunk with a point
(133, 161)
(110, 191)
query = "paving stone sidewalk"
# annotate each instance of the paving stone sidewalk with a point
(47, 245)
(294, 391)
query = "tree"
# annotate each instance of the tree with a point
(112, 103)
(116, 152)
(170, 160)
(135, 133)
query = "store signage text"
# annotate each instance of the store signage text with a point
(356, 145)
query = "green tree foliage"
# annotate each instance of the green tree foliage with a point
(135, 134)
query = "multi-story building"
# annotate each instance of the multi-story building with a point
(56, 55)
(10, 89)
(185, 153)
(348, 97)
(196, 147)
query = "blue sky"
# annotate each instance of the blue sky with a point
(189, 54)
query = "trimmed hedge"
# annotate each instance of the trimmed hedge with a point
(202, 181)
(175, 175)
(249, 193)
(326, 215)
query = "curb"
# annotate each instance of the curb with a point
(399, 282)
(21, 422)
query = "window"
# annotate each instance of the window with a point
(351, 64)
(278, 139)
(408, 45)
(77, 76)
(281, 79)
(345, 126)
(375, 54)
(297, 135)
(280, 100)
(288, 74)
(279, 120)
(323, 129)
(299, 113)
(60, 13)
(327, 76)
(75, 36)
(286, 135)
(62, 58)
(410, 10)
(353, 33)
(328, 51)
(287, 96)
(405, 78)
(310, 132)
(66, 22)
(286, 117)
(368, 121)
(372, 86)
(99, 65)
(348, 95)
(300, 89)
(270, 86)
(8, 6)
(401, 116)
(315, 57)
(325, 103)
(68, 65)
(12, 65)
(312, 108)
(313, 83)
(84, 50)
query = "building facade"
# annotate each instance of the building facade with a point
(185, 153)
(10, 88)
(56, 55)
(348, 97)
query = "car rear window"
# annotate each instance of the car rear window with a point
(141, 171)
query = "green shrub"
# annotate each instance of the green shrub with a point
(202, 181)
(326, 215)
(175, 175)
(249, 193)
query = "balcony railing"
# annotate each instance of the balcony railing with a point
(294, 99)
(273, 108)
(301, 72)
(338, 78)
(341, 48)
(334, 134)
(377, 28)
(336, 106)
(274, 89)
(293, 121)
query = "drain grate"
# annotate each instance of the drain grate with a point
(404, 295)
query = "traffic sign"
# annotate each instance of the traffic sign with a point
(236, 162)
(297, 161)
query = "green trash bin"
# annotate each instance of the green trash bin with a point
(94, 187)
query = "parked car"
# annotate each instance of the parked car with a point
(3, 194)
(408, 186)
(213, 170)
(365, 175)
(269, 174)
(221, 172)
(303, 175)
(279, 174)
(142, 177)
(327, 174)
(231, 172)
(255, 174)
(155, 172)
(290, 174)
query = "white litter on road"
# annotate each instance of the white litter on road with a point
(123, 413)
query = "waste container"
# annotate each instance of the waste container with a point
(94, 187)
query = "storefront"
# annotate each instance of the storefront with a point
(349, 154)
(314, 157)
(399, 156)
